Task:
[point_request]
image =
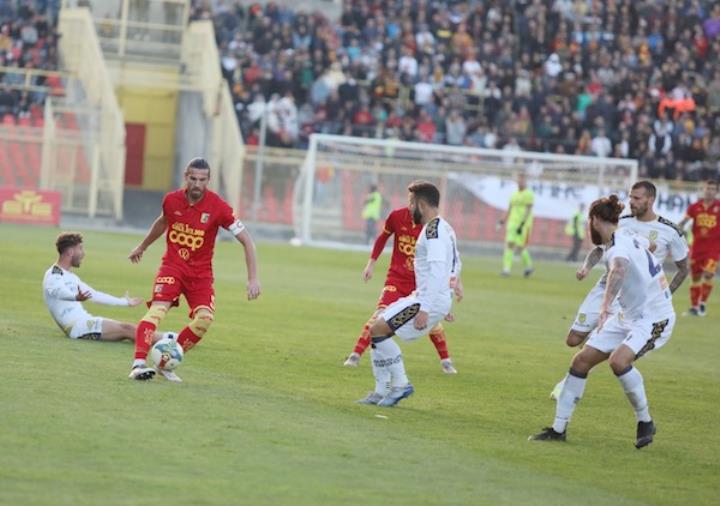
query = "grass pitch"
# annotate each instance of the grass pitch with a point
(266, 414)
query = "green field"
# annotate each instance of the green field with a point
(266, 414)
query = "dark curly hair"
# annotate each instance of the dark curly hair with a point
(607, 209)
(68, 240)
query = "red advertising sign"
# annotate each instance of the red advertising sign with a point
(35, 207)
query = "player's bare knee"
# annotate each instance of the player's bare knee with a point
(128, 330)
(620, 362)
(575, 338)
(581, 363)
(379, 328)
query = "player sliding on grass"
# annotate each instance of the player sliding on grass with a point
(644, 321)
(437, 272)
(667, 241)
(190, 218)
(64, 294)
(399, 282)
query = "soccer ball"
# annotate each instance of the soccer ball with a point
(166, 354)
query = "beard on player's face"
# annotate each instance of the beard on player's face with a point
(417, 215)
(76, 258)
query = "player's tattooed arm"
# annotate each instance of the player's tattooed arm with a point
(612, 288)
(681, 225)
(592, 258)
(683, 269)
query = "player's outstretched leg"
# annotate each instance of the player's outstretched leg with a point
(196, 329)
(144, 337)
(632, 382)
(569, 396)
(381, 371)
(388, 352)
(571, 393)
(353, 360)
(439, 340)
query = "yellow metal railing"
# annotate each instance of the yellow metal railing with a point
(82, 56)
(201, 57)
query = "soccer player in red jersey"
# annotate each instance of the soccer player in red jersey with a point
(190, 219)
(705, 249)
(399, 283)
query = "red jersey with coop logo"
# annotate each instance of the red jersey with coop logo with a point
(192, 229)
(705, 229)
(401, 272)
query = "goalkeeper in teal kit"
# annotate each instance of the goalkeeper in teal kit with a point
(518, 221)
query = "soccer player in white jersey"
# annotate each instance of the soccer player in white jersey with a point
(644, 321)
(64, 294)
(663, 234)
(437, 270)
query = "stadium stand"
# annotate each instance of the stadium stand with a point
(629, 79)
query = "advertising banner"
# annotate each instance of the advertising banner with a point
(32, 207)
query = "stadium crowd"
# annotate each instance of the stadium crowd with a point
(28, 39)
(621, 78)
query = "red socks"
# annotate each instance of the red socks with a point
(187, 339)
(438, 339)
(143, 339)
(364, 340)
(695, 295)
(706, 288)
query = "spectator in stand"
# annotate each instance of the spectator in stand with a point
(621, 67)
(600, 145)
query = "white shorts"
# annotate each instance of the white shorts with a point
(87, 327)
(589, 311)
(400, 316)
(641, 336)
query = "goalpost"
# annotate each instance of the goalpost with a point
(475, 186)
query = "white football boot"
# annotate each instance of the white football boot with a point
(447, 366)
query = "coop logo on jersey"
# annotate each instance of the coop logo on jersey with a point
(184, 235)
(706, 220)
(30, 206)
(406, 245)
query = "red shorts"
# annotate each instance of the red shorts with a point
(703, 263)
(198, 292)
(391, 293)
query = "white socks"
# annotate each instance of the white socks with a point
(570, 395)
(632, 382)
(387, 355)
(381, 373)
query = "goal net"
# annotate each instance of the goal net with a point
(475, 186)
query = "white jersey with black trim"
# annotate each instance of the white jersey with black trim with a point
(437, 261)
(663, 233)
(667, 237)
(60, 289)
(644, 291)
